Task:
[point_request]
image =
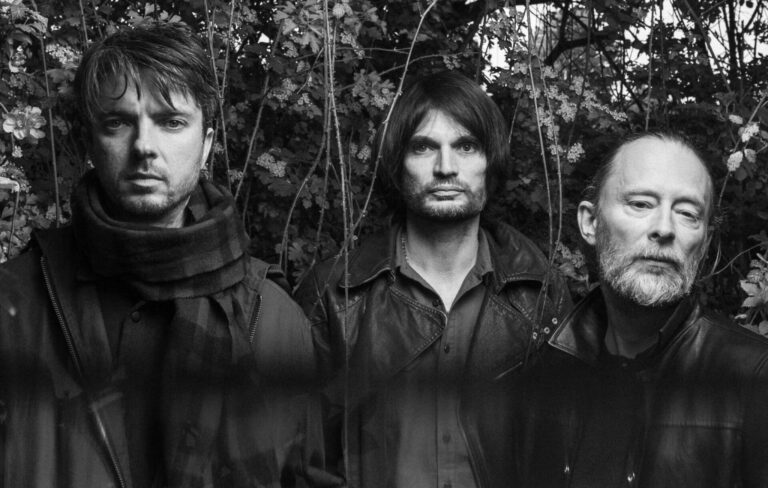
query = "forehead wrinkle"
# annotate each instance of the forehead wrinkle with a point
(617, 170)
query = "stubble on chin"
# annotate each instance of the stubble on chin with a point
(149, 207)
(419, 202)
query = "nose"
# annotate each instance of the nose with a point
(145, 144)
(446, 164)
(663, 226)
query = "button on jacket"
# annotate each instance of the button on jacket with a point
(371, 333)
(690, 412)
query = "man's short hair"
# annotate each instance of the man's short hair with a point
(456, 96)
(166, 56)
(595, 188)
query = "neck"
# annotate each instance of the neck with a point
(632, 328)
(442, 253)
(442, 247)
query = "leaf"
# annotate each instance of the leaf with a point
(763, 328)
(751, 288)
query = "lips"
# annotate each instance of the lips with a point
(659, 261)
(143, 176)
(446, 189)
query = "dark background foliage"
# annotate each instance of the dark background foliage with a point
(303, 85)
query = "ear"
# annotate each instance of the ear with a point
(207, 145)
(587, 216)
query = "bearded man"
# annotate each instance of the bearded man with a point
(641, 385)
(431, 321)
(142, 346)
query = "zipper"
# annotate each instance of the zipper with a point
(60, 318)
(78, 367)
(255, 320)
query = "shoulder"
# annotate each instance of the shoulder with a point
(517, 259)
(515, 256)
(733, 344)
(21, 277)
(721, 327)
(510, 239)
(362, 264)
(280, 334)
(268, 283)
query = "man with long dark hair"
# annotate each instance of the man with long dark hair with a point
(150, 349)
(434, 315)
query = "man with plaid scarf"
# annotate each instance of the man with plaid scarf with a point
(141, 346)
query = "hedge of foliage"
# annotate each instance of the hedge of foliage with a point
(304, 83)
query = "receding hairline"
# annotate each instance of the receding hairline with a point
(621, 152)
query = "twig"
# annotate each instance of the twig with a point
(50, 129)
(650, 69)
(82, 22)
(257, 124)
(220, 98)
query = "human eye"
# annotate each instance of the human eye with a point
(468, 147)
(418, 147)
(113, 124)
(690, 215)
(174, 124)
(640, 204)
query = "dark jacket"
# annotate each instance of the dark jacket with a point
(56, 430)
(367, 321)
(701, 405)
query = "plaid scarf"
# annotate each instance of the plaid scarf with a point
(198, 267)
(209, 368)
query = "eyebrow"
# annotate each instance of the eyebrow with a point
(165, 112)
(418, 139)
(650, 193)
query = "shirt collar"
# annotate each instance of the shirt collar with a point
(483, 263)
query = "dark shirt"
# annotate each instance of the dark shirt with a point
(619, 415)
(136, 331)
(432, 450)
(137, 334)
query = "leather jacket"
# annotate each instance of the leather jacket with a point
(367, 331)
(58, 431)
(700, 399)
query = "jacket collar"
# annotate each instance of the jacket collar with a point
(514, 257)
(582, 332)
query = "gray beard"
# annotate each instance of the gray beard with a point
(665, 287)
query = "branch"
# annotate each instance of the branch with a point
(566, 45)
